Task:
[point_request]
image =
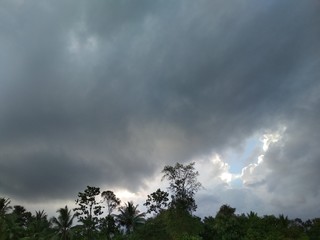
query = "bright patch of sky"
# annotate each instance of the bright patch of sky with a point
(237, 159)
(270, 138)
(238, 165)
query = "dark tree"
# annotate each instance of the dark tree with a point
(21, 215)
(130, 217)
(63, 223)
(209, 232)
(4, 206)
(108, 227)
(89, 210)
(108, 224)
(227, 224)
(39, 226)
(157, 201)
(314, 229)
(111, 200)
(183, 184)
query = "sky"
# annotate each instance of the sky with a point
(106, 93)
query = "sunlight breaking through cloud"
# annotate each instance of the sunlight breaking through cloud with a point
(249, 174)
(273, 137)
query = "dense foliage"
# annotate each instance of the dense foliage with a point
(171, 220)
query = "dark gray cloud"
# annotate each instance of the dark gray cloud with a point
(293, 181)
(109, 92)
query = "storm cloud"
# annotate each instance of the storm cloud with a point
(108, 92)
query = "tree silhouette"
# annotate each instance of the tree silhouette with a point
(111, 200)
(4, 206)
(157, 201)
(89, 210)
(108, 224)
(183, 184)
(39, 226)
(130, 217)
(226, 224)
(63, 223)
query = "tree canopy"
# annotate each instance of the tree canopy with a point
(183, 185)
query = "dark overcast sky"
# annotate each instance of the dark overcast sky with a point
(106, 93)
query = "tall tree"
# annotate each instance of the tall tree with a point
(108, 224)
(63, 223)
(89, 210)
(111, 200)
(130, 217)
(183, 184)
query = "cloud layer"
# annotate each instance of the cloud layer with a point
(107, 93)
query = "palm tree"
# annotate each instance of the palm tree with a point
(41, 223)
(63, 223)
(4, 206)
(130, 217)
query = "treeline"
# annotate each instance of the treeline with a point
(170, 217)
